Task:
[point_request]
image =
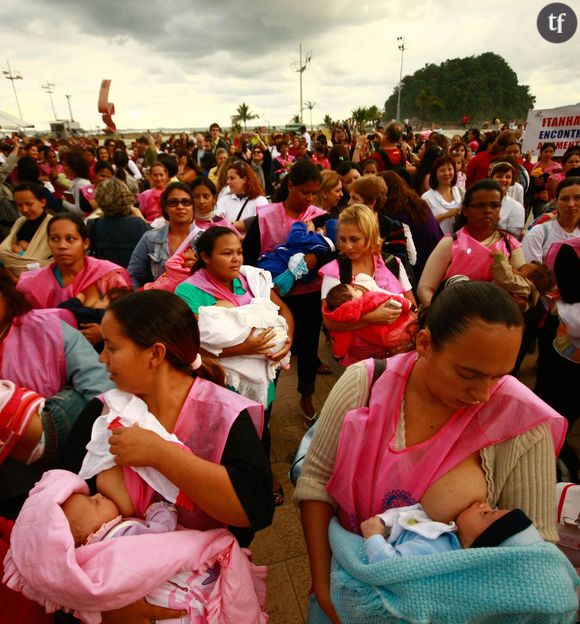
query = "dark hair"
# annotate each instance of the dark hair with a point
(302, 172)
(76, 163)
(206, 243)
(571, 151)
(16, 302)
(337, 295)
(170, 163)
(120, 160)
(27, 169)
(215, 125)
(156, 316)
(172, 186)
(565, 183)
(566, 270)
(546, 145)
(432, 153)
(540, 276)
(101, 165)
(445, 159)
(456, 307)
(345, 166)
(36, 189)
(394, 132)
(402, 198)
(73, 218)
(203, 181)
(481, 185)
(502, 140)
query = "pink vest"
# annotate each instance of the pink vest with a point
(370, 476)
(275, 227)
(88, 192)
(204, 281)
(469, 257)
(383, 277)
(32, 354)
(203, 426)
(43, 291)
(205, 225)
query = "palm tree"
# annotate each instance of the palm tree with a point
(373, 113)
(295, 119)
(243, 114)
(327, 121)
(359, 116)
(310, 106)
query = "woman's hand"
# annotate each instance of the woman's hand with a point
(259, 343)
(140, 612)
(276, 357)
(137, 447)
(383, 315)
(452, 212)
(92, 332)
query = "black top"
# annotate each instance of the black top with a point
(29, 228)
(115, 238)
(244, 458)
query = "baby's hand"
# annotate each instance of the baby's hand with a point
(372, 526)
(189, 258)
(496, 253)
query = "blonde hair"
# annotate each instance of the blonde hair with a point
(371, 188)
(329, 180)
(365, 220)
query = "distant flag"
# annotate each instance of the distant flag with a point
(105, 107)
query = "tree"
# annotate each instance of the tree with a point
(310, 106)
(243, 114)
(327, 121)
(295, 119)
(359, 116)
(483, 86)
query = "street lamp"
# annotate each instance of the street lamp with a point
(10, 75)
(401, 46)
(300, 68)
(49, 88)
(68, 97)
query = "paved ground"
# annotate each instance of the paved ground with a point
(281, 546)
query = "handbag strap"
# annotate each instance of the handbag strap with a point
(242, 209)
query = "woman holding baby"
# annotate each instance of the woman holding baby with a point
(361, 260)
(444, 426)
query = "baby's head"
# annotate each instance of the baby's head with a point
(480, 525)
(539, 274)
(87, 514)
(341, 294)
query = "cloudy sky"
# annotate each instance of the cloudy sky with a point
(187, 63)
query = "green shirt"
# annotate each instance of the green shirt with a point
(195, 297)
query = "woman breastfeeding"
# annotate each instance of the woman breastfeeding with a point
(152, 352)
(26, 245)
(468, 251)
(71, 273)
(439, 428)
(271, 227)
(360, 257)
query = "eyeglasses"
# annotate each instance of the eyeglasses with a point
(484, 205)
(173, 203)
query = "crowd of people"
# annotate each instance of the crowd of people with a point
(152, 293)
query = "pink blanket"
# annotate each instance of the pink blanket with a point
(44, 565)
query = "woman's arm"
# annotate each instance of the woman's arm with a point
(434, 270)
(139, 267)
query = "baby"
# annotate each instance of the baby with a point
(350, 302)
(89, 306)
(525, 284)
(406, 531)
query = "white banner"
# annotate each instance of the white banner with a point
(560, 126)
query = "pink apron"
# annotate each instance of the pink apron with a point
(203, 426)
(370, 476)
(42, 290)
(275, 227)
(32, 354)
(204, 281)
(470, 257)
(150, 204)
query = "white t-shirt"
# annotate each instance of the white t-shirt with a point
(439, 205)
(229, 206)
(516, 191)
(540, 238)
(511, 216)
(329, 282)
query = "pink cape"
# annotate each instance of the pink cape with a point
(44, 565)
(42, 290)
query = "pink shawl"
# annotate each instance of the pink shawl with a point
(44, 565)
(42, 290)
(204, 281)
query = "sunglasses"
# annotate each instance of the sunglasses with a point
(173, 203)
